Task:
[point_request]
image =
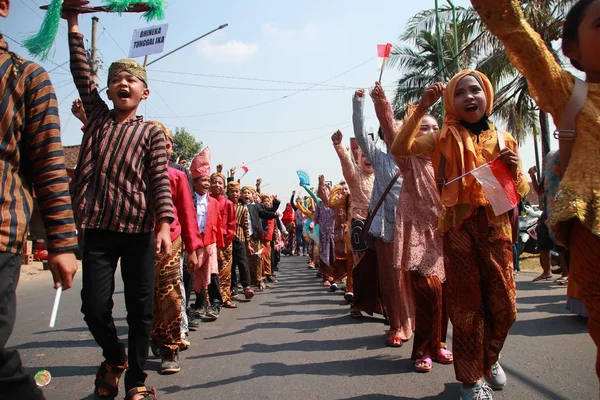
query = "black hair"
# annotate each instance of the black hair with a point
(380, 133)
(571, 27)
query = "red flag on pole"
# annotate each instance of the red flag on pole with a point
(383, 55)
(244, 167)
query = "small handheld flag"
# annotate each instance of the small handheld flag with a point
(244, 167)
(383, 55)
(498, 184)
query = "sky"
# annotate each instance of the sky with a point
(221, 88)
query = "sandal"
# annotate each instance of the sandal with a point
(563, 280)
(542, 278)
(100, 382)
(229, 304)
(147, 392)
(423, 364)
(394, 339)
(355, 314)
(445, 356)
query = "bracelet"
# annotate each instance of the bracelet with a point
(565, 134)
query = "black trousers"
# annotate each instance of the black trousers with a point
(240, 259)
(214, 293)
(101, 252)
(15, 381)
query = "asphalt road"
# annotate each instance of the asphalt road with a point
(296, 341)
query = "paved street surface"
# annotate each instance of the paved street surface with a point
(296, 341)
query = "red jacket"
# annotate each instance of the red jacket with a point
(288, 215)
(227, 210)
(184, 224)
(213, 232)
(270, 230)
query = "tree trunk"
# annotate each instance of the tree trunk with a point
(545, 134)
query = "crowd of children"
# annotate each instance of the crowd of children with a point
(408, 233)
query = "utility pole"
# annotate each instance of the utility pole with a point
(94, 55)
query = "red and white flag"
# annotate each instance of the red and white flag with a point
(244, 167)
(499, 186)
(383, 54)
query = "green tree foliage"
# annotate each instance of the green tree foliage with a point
(185, 145)
(478, 49)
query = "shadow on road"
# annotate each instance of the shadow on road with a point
(372, 366)
(557, 325)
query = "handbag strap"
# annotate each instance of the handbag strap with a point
(567, 124)
(380, 202)
(441, 181)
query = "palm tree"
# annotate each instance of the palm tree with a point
(484, 52)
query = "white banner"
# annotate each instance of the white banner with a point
(150, 40)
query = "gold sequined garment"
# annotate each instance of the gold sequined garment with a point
(578, 194)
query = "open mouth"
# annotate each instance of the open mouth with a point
(368, 164)
(471, 108)
(124, 94)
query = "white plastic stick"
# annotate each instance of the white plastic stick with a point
(55, 307)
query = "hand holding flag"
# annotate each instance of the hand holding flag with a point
(497, 182)
(383, 54)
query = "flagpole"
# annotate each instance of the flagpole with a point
(463, 175)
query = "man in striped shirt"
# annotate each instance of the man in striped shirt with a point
(120, 189)
(32, 159)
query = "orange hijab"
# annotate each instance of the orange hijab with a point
(456, 145)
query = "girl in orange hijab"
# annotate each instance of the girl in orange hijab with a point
(477, 243)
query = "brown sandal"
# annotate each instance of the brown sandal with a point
(100, 382)
(229, 304)
(148, 392)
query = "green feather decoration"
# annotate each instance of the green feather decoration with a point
(156, 12)
(39, 45)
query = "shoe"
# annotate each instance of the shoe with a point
(155, 349)
(498, 379)
(193, 323)
(333, 287)
(248, 293)
(349, 297)
(479, 391)
(234, 292)
(196, 313)
(271, 279)
(213, 312)
(185, 343)
(326, 284)
(169, 362)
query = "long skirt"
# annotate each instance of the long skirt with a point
(431, 315)
(481, 294)
(225, 263)
(396, 291)
(166, 325)
(585, 273)
(365, 275)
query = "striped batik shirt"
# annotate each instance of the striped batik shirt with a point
(121, 181)
(31, 157)
(242, 230)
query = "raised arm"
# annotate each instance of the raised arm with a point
(81, 70)
(303, 209)
(348, 168)
(311, 194)
(358, 121)
(549, 84)
(292, 202)
(406, 143)
(384, 112)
